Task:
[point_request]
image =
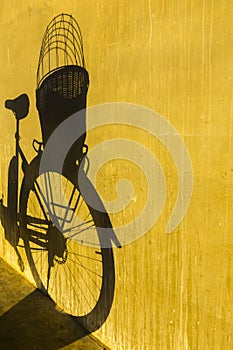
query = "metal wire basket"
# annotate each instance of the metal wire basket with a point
(62, 80)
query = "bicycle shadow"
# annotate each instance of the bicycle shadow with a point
(35, 323)
(33, 215)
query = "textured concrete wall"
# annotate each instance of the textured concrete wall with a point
(172, 291)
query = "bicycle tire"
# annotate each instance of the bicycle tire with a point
(93, 315)
(11, 230)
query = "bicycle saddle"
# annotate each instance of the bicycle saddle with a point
(19, 106)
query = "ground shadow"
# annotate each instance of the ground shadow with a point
(35, 323)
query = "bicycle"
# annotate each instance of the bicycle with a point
(52, 227)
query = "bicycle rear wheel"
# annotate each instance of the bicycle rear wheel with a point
(78, 274)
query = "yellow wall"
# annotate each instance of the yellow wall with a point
(172, 291)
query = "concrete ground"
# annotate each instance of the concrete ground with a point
(29, 320)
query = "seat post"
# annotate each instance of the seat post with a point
(17, 137)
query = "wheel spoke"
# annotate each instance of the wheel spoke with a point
(78, 226)
(86, 257)
(84, 267)
(81, 231)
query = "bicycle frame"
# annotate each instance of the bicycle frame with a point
(35, 236)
